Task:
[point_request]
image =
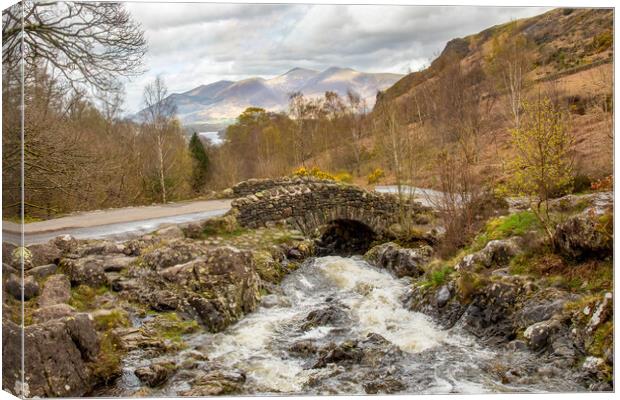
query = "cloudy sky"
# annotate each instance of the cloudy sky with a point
(194, 44)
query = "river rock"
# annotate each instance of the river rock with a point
(156, 373)
(170, 232)
(7, 253)
(496, 253)
(442, 296)
(220, 287)
(174, 253)
(45, 253)
(117, 263)
(51, 312)
(331, 315)
(303, 347)
(587, 233)
(537, 335)
(59, 359)
(85, 271)
(14, 287)
(66, 243)
(398, 260)
(216, 382)
(43, 271)
(602, 313)
(56, 290)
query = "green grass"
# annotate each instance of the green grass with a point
(112, 320)
(172, 327)
(83, 296)
(437, 277)
(516, 224)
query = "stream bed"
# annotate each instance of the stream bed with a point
(338, 326)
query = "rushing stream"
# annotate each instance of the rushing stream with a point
(334, 300)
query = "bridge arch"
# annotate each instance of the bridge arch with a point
(313, 207)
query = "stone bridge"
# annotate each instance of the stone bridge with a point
(312, 207)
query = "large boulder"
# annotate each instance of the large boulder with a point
(56, 290)
(589, 233)
(51, 312)
(221, 286)
(398, 260)
(496, 253)
(45, 253)
(58, 360)
(173, 253)
(85, 271)
(16, 287)
(156, 373)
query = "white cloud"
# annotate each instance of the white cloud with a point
(194, 44)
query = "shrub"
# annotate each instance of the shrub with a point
(604, 184)
(344, 177)
(375, 176)
(581, 183)
(314, 172)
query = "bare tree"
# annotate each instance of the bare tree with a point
(356, 109)
(89, 43)
(509, 63)
(158, 115)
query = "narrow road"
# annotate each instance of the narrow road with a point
(119, 223)
(128, 222)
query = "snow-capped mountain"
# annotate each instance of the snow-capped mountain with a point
(221, 102)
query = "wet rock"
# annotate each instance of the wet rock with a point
(84, 271)
(44, 253)
(303, 347)
(489, 315)
(537, 335)
(134, 338)
(338, 353)
(384, 384)
(495, 253)
(586, 234)
(43, 271)
(400, 261)
(428, 302)
(59, 359)
(373, 351)
(274, 300)
(442, 296)
(56, 290)
(217, 382)
(330, 315)
(55, 311)
(14, 287)
(157, 373)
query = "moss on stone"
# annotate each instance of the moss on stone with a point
(83, 296)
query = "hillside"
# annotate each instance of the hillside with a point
(221, 102)
(571, 51)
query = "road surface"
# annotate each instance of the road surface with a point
(119, 223)
(128, 222)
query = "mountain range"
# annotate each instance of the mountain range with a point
(219, 103)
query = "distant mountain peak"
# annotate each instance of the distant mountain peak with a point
(222, 101)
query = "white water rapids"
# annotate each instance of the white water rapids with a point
(430, 360)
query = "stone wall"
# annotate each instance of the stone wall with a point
(252, 186)
(310, 206)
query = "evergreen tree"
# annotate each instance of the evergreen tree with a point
(200, 164)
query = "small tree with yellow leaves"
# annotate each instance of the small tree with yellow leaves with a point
(542, 166)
